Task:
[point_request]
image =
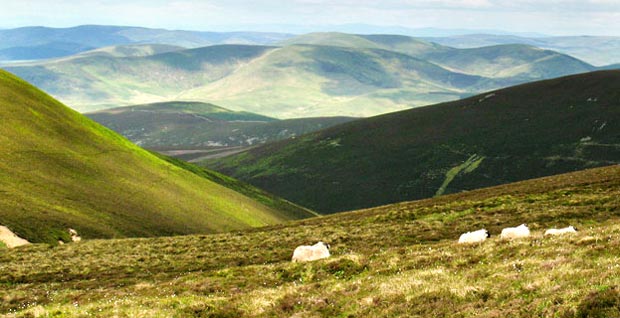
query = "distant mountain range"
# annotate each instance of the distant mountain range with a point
(31, 43)
(192, 129)
(513, 134)
(61, 170)
(313, 75)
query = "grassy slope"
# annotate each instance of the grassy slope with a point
(195, 125)
(518, 133)
(391, 261)
(288, 209)
(59, 169)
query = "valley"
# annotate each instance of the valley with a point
(192, 130)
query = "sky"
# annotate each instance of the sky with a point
(552, 17)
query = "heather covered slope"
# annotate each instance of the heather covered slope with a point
(398, 260)
(518, 133)
(60, 170)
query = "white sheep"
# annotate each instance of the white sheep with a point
(474, 237)
(510, 233)
(74, 235)
(566, 230)
(305, 253)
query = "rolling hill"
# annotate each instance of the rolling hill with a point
(516, 62)
(94, 82)
(314, 75)
(390, 261)
(195, 126)
(518, 133)
(44, 43)
(596, 50)
(316, 80)
(60, 170)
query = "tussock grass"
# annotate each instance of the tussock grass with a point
(391, 261)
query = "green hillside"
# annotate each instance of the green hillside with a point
(313, 75)
(194, 126)
(60, 170)
(523, 132)
(393, 261)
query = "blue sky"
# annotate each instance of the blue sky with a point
(555, 17)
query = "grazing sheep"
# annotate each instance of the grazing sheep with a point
(305, 253)
(510, 233)
(566, 230)
(474, 237)
(74, 235)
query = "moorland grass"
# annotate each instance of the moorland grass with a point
(390, 261)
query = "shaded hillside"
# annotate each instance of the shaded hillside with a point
(518, 133)
(60, 170)
(390, 261)
(195, 125)
(42, 51)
